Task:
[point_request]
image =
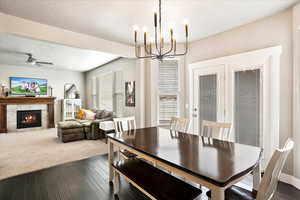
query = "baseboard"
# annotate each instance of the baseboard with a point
(290, 180)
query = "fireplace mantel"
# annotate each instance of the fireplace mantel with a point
(4, 101)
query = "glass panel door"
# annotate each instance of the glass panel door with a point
(247, 107)
(208, 94)
(207, 98)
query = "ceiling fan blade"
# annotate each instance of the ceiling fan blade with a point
(44, 63)
(13, 52)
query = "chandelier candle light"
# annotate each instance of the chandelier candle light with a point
(156, 50)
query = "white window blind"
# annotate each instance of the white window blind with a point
(106, 92)
(119, 88)
(94, 92)
(168, 91)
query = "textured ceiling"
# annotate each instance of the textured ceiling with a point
(114, 19)
(12, 49)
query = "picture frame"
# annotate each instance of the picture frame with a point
(130, 94)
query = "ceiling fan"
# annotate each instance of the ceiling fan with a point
(30, 60)
(33, 61)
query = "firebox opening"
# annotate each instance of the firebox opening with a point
(29, 118)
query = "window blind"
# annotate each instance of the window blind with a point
(106, 92)
(207, 98)
(118, 93)
(94, 92)
(247, 107)
(168, 91)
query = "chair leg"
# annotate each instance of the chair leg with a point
(119, 154)
(116, 183)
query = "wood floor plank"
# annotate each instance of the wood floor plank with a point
(85, 180)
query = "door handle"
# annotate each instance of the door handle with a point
(194, 115)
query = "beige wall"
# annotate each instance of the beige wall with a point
(296, 36)
(268, 32)
(131, 72)
(56, 79)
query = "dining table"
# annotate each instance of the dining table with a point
(209, 162)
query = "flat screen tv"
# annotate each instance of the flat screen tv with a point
(28, 86)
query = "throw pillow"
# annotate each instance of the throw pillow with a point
(89, 115)
(99, 114)
(80, 114)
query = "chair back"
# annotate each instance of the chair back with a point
(179, 124)
(216, 130)
(268, 185)
(124, 124)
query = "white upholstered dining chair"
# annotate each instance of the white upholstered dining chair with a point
(121, 125)
(216, 130)
(179, 124)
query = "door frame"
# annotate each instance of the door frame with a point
(269, 58)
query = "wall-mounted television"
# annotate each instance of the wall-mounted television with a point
(28, 86)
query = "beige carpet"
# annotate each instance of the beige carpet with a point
(25, 152)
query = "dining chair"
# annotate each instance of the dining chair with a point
(216, 130)
(121, 125)
(268, 184)
(179, 124)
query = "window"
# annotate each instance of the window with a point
(168, 89)
(110, 93)
(106, 92)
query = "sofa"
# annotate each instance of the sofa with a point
(78, 129)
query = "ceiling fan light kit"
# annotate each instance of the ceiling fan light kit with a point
(156, 50)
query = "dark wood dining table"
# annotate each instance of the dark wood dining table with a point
(212, 163)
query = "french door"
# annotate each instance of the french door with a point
(208, 90)
(230, 94)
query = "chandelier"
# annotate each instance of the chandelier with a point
(156, 49)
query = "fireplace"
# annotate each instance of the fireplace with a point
(29, 118)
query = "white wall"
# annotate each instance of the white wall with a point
(132, 71)
(268, 32)
(56, 79)
(296, 36)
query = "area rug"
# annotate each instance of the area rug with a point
(24, 152)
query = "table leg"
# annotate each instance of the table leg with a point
(116, 182)
(110, 159)
(218, 194)
(256, 177)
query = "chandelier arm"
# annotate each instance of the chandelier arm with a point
(148, 51)
(138, 56)
(186, 45)
(141, 57)
(169, 50)
(156, 43)
(136, 52)
(181, 54)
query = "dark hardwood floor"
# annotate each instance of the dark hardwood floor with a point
(84, 180)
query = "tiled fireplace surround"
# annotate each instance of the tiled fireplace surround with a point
(10, 105)
(12, 116)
